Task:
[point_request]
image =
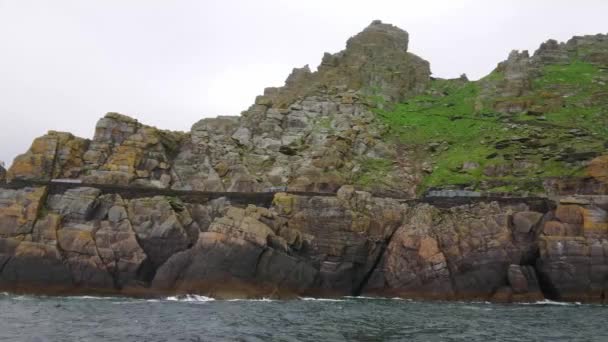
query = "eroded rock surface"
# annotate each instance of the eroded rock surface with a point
(347, 151)
(464, 251)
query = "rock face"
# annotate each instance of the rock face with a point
(314, 134)
(2, 174)
(344, 153)
(464, 251)
(54, 155)
(574, 250)
(84, 240)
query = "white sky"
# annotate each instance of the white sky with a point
(169, 63)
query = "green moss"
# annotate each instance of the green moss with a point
(176, 203)
(373, 170)
(324, 122)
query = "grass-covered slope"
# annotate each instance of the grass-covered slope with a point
(475, 138)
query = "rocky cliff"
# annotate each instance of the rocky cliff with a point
(353, 147)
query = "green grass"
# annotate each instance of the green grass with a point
(454, 115)
(576, 73)
(373, 170)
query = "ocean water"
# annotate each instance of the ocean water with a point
(197, 318)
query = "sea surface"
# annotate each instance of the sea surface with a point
(197, 318)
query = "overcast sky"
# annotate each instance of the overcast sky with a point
(169, 63)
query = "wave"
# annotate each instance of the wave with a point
(322, 299)
(252, 300)
(189, 298)
(362, 297)
(93, 297)
(552, 302)
(404, 299)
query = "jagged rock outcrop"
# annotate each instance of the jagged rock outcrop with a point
(313, 134)
(123, 151)
(318, 187)
(54, 155)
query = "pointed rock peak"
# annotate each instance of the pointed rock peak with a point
(375, 63)
(379, 35)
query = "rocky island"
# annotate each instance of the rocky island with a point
(365, 177)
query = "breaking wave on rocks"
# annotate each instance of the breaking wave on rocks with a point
(552, 302)
(190, 298)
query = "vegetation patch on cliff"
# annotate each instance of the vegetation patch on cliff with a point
(474, 142)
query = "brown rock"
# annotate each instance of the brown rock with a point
(54, 155)
(524, 222)
(19, 210)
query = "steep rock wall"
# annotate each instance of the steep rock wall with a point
(86, 241)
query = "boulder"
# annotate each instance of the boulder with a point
(160, 230)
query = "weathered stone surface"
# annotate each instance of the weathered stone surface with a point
(598, 169)
(75, 204)
(54, 155)
(117, 245)
(30, 266)
(161, 230)
(346, 234)
(461, 252)
(517, 74)
(81, 256)
(19, 210)
(217, 265)
(2, 174)
(325, 132)
(573, 258)
(524, 222)
(123, 151)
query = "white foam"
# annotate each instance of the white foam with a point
(552, 302)
(362, 297)
(190, 298)
(252, 300)
(92, 297)
(404, 299)
(322, 299)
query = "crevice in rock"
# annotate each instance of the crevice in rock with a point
(383, 246)
(146, 271)
(260, 256)
(448, 262)
(64, 259)
(2, 265)
(42, 210)
(54, 162)
(113, 273)
(546, 286)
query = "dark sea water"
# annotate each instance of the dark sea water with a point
(29, 318)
